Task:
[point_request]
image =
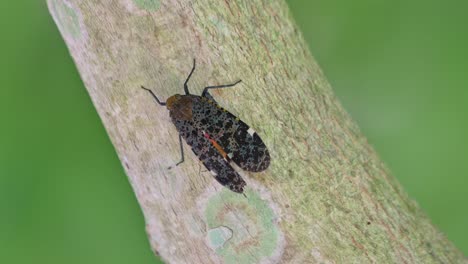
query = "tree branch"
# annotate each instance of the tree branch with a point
(326, 196)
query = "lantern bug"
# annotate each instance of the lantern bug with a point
(215, 135)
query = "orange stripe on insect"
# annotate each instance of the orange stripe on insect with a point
(216, 145)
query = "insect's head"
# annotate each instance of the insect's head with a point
(172, 101)
(180, 106)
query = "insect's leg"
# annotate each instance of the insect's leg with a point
(181, 151)
(207, 95)
(200, 170)
(188, 78)
(154, 96)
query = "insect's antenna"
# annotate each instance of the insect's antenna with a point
(188, 78)
(154, 96)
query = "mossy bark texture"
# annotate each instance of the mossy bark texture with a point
(326, 197)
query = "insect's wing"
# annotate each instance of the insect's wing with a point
(247, 148)
(210, 156)
(239, 141)
(221, 169)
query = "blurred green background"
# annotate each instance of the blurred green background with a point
(399, 67)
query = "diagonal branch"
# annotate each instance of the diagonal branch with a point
(326, 196)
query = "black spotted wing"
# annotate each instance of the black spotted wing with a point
(210, 156)
(240, 142)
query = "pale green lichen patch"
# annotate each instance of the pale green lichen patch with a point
(149, 5)
(242, 230)
(218, 236)
(67, 18)
(220, 25)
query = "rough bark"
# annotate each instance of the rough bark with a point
(326, 197)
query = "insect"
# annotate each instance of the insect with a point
(216, 136)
